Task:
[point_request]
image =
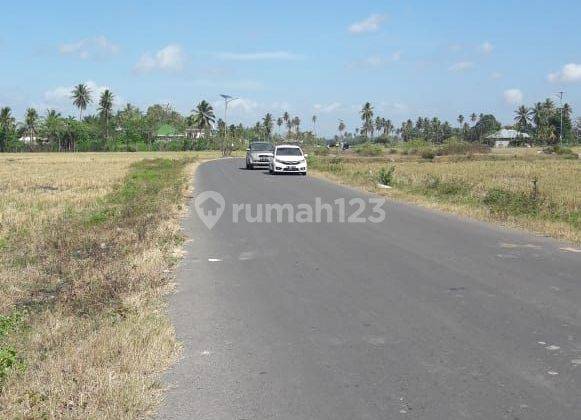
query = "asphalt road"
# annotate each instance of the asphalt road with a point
(422, 316)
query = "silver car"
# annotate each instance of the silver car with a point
(259, 154)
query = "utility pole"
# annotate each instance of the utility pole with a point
(227, 100)
(560, 95)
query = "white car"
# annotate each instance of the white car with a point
(288, 158)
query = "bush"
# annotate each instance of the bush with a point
(321, 151)
(446, 188)
(455, 147)
(560, 150)
(369, 149)
(392, 151)
(385, 175)
(503, 201)
(428, 154)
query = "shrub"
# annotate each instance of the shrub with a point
(446, 188)
(560, 150)
(455, 147)
(392, 151)
(321, 151)
(428, 154)
(385, 175)
(369, 149)
(503, 201)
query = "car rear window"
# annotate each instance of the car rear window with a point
(288, 151)
(261, 147)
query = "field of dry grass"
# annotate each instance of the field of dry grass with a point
(514, 187)
(88, 241)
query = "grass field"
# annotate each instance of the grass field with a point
(514, 187)
(87, 244)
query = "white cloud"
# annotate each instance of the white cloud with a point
(371, 24)
(496, 75)
(248, 85)
(169, 58)
(486, 47)
(255, 56)
(377, 60)
(96, 47)
(513, 96)
(569, 73)
(461, 66)
(327, 109)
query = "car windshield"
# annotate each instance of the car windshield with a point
(261, 147)
(288, 151)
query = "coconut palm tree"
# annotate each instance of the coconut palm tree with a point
(53, 125)
(460, 120)
(267, 123)
(367, 118)
(341, 128)
(81, 96)
(6, 126)
(314, 120)
(387, 127)
(473, 117)
(296, 122)
(203, 117)
(279, 122)
(523, 118)
(105, 108)
(379, 124)
(30, 121)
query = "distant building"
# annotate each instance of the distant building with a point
(504, 137)
(167, 132)
(195, 133)
(31, 140)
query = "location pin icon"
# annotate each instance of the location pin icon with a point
(210, 206)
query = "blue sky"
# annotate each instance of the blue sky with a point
(407, 57)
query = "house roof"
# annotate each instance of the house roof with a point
(165, 130)
(505, 134)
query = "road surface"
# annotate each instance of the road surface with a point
(423, 316)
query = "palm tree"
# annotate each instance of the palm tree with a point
(473, 117)
(105, 108)
(53, 126)
(523, 118)
(367, 118)
(387, 127)
(6, 126)
(267, 124)
(81, 96)
(30, 121)
(203, 116)
(460, 119)
(296, 122)
(342, 128)
(379, 124)
(314, 119)
(279, 122)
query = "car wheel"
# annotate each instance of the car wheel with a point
(304, 174)
(247, 165)
(250, 166)
(271, 171)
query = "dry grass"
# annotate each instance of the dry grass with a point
(462, 185)
(87, 241)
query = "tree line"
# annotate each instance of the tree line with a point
(130, 129)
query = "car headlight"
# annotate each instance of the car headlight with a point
(279, 161)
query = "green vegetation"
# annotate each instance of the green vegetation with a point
(91, 298)
(519, 190)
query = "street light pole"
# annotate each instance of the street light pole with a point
(227, 100)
